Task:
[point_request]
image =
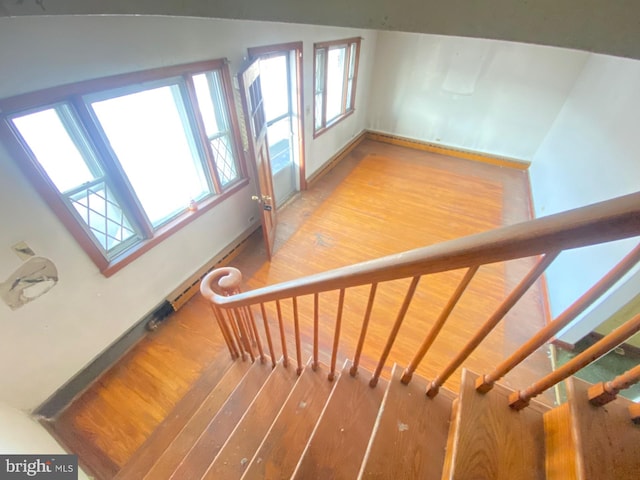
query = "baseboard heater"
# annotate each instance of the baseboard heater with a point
(66, 394)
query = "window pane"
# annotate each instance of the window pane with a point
(59, 147)
(352, 59)
(319, 87)
(54, 149)
(225, 162)
(205, 102)
(318, 111)
(320, 53)
(209, 93)
(280, 144)
(335, 82)
(352, 69)
(275, 85)
(153, 141)
(102, 214)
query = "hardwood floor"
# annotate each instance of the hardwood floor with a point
(380, 199)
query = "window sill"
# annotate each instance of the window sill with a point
(320, 131)
(128, 256)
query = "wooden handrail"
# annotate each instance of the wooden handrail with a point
(606, 221)
(520, 399)
(601, 222)
(605, 392)
(485, 383)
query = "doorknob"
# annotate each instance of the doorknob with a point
(261, 199)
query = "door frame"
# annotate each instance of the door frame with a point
(255, 52)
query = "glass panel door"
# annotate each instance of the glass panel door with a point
(279, 94)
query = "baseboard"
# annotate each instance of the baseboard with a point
(629, 350)
(187, 289)
(74, 387)
(335, 159)
(562, 344)
(447, 150)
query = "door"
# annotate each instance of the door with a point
(281, 81)
(255, 122)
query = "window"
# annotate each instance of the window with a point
(126, 161)
(336, 72)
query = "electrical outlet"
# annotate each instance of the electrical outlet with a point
(23, 251)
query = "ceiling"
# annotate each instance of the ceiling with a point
(602, 26)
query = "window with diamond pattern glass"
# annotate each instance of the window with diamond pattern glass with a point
(130, 160)
(57, 144)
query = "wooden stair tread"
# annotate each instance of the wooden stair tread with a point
(607, 442)
(214, 435)
(411, 433)
(494, 441)
(280, 451)
(241, 446)
(144, 458)
(560, 448)
(338, 444)
(173, 454)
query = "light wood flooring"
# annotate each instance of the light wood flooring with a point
(380, 199)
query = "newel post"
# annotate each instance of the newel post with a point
(235, 324)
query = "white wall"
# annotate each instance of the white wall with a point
(47, 341)
(481, 95)
(22, 435)
(592, 153)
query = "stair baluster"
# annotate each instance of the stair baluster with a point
(247, 314)
(226, 334)
(283, 340)
(490, 324)
(605, 392)
(243, 331)
(394, 331)
(316, 301)
(520, 399)
(485, 382)
(435, 330)
(363, 331)
(267, 332)
(296, 326)
(336, 336)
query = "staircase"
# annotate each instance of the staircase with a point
(271, 423)
(261, 418)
